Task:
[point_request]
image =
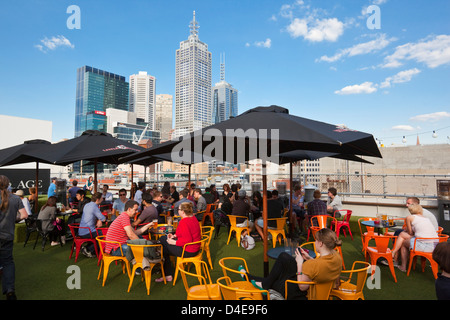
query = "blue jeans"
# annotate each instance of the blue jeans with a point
(118, 253)
(7, 263)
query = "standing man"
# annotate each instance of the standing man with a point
(51, 192)
(138, 194)
(10, 204)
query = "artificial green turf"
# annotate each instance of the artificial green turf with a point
(43, 274)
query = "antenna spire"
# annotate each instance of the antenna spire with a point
(194, 27)
(222, 67)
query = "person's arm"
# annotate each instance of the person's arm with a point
(408, 225)
(300, 256)
(23, 213)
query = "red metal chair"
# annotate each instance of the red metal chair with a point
(345, 223)
(413, 254)
(209, 213)
(78, 241)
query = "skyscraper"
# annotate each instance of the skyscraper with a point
(193, 109)
(164, 104)
(225, 98)
(143, 97)
(97, 90)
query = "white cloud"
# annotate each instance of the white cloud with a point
(359, 49)
(434, 51)
(403, 127)
(317, 30)
(262, 44)
(54, 43)
(363, 88)
(402, 76)
(431, 117)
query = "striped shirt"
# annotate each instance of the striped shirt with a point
(116, 232)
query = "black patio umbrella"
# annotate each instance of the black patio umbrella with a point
(263, 128)
(95, 146)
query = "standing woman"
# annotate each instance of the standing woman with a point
(10, 204)
(188, 230)
(50, 223)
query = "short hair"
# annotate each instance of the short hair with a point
(96, 196)
(187, 208)
(130, 204)
(414, 200)
(184, 193)
(74, 182)
(156, 193)
(81, 192)
(123, 190)
(274, 193)
(269, 194)
(198, 190)
(415, 208)
(297, 187)
(147, 197)
(207, 189)
(105, 185)
(174, 188)
(441, 255)
(332, 190)
(141, 185)
(317, 194)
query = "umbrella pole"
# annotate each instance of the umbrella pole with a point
(95, 175)
(266, 259)
(36, 185)
(189, 176)
(132, 191)
(291, 219)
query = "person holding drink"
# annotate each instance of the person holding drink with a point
(188, 230)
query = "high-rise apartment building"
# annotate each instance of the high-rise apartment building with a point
(225, 98)
(143, 97)
(163, 117)
(97, 90)
(193, 107)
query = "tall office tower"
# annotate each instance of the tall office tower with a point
(97, 90)
(225, 97)
(193, 107)
(163, 113)
(143, 97)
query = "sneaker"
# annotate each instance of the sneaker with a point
(11, 296)
(54, 243)
(63, 240)
(168, 278)
(242, 271)
(384, 262)
(86, 253)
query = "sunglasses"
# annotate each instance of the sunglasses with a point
(122, 194)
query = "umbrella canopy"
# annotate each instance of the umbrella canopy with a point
(263, 128)
(29, 151)
(297, 155)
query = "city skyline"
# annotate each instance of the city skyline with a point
(322, 60)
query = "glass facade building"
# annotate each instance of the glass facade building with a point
(97, 90)
(132, 132)
(225, 102)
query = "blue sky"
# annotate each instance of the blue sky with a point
(317, 58)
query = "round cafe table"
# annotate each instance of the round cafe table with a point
(378, 225)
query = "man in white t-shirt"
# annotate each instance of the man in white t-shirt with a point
(425, 213)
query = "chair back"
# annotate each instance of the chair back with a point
(202, 243)
(139, 250)
(316, 291)
(346, 214)
(441, 238)
(361, 274)
(322, 220)
(208, 232)
(281, 222)
(211, 207)
(103, 242)
(233, 219)
(382, 242)
(203, 290)
(235, 293)
(75, 228)
(224, 263)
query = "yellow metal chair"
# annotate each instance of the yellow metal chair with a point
(234, 228)
(138, 253)
(205, 290)
(208, 231)
(196, 260)
(107, 259)
(278, 231)
(352, 291)
(242, 281)
(231, 292)
(316, 291)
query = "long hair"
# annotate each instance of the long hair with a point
(4, 184)
(51, 202)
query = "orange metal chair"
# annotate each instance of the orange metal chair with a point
(138, 253)
(234, 228)
(208, 231)
(278, 231)
(78, 241)
(413, 254)
(316, 291)
(319, 222)
(345, 223)
(209, 213)
(232, 292)
(366, 236)
(352, 291)
(107, 259)
(381, 250)
(196, 260)
(205, 290)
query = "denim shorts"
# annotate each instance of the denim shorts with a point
(423, 245)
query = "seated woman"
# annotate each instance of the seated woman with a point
(188, 230)
(50, 223)
(325, 268)
(417, 226)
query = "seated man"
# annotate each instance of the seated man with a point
(334, 202)
(297, 202)
(107, 196)
(274, 210)
(73, 193)
(119, 204)
(121, 230)
(201, 203)
(92, 218)
(241, 207)
(174, 195)
(209, 197)
(157, 199)
(78, 209)
(316, 207)
(183, 198)
(149, 213)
